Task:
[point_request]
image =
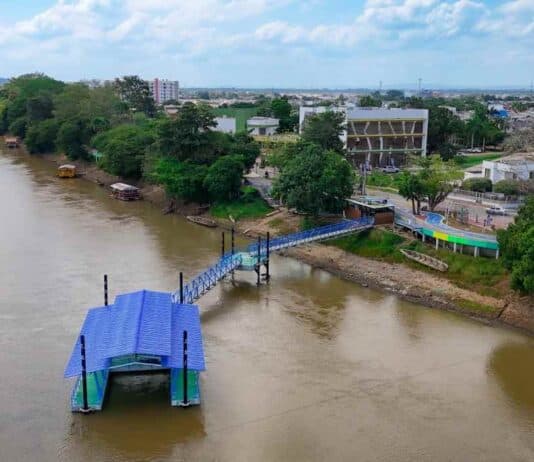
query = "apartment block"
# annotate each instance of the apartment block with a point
(164, 90)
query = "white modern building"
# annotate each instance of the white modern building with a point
(515, 167)
(164, 90)
(262, 126)
(380, 136)
(225, 124)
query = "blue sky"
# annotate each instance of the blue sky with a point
(273, 43)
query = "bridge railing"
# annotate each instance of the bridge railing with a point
(194, 289)
(314, 234)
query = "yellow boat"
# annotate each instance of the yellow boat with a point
(66, 171)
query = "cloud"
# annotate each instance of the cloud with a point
(160, 31)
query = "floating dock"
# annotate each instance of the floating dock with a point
(142, 331)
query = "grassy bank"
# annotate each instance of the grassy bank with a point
(484, 275)
(241, 114)
(468, 161)
(248, 205)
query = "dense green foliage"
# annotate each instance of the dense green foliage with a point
(313, 179)
(469, 161)
(136, 93)
(517, 248)
(433, 182)
(41, 136)
(223, 180)
(507, 187)
(124, 148)
(325, 129)
(248, 205)
(477, 185)
(370, 101)
(181, 180)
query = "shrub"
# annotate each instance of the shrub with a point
(18, 127)
(41, 137)
(477, 184)
(507, 187)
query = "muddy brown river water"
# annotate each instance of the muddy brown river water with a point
(306, 368)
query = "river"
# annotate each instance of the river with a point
(306, 368)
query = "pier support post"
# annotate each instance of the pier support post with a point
(437, 243)
(258, 270)
(497, 254)
(267, 274)
(476, 252)
(423, 237)
(233, 240)
(84, 374)
(185, 369)
(181, 288)
(105, 289)
(454, 247)
(222, 244)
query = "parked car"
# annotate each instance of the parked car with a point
(496, 210)
(389, 169)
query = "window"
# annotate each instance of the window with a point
(487, 173)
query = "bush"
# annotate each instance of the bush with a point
(183, 180)
(41, 137)
(18, 127)
(507, 187)
(477, 184)
(223, 180)
(517, 248)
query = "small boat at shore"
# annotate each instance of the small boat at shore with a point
(204, 221)
(426, 260)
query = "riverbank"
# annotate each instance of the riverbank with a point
(408, 283)
(426, 288)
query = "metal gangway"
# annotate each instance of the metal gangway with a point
(257, 254)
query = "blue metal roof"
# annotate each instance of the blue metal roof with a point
(141, 322)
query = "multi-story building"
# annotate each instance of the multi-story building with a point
(379, 137)
(164, 90)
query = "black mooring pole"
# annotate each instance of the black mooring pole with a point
(84, 374)
(106, 289)
(233, 240)
(181, 288)
(267, 275)
(259, 261)
(185, 368)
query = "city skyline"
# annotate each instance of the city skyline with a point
(276, 43)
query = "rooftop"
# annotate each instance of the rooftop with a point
(143, 322)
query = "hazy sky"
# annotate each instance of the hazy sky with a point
(273, 43)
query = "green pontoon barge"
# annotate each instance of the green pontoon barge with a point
(140, 332)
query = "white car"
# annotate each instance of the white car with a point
(390, 169)
(496, 210)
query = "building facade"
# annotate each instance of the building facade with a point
(225, 124)
(380, 137)
(265, 126)
(514, 167)
(164, 90)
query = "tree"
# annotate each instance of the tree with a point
(123, 148)
(411, 188)
(281, 109)
(517, 248)
(244, 146)
(314, 180)
(478, 185)
(325, 129)
(223, 179)
(136, 93)
(39, 107)
(507, 187)
(41, 136)
(182, 180)
(72, 137)
(370, 101)
(444, 128)
(187, 136)
(437, 178)
(18, 127)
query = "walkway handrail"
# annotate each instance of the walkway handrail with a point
(314, 234)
